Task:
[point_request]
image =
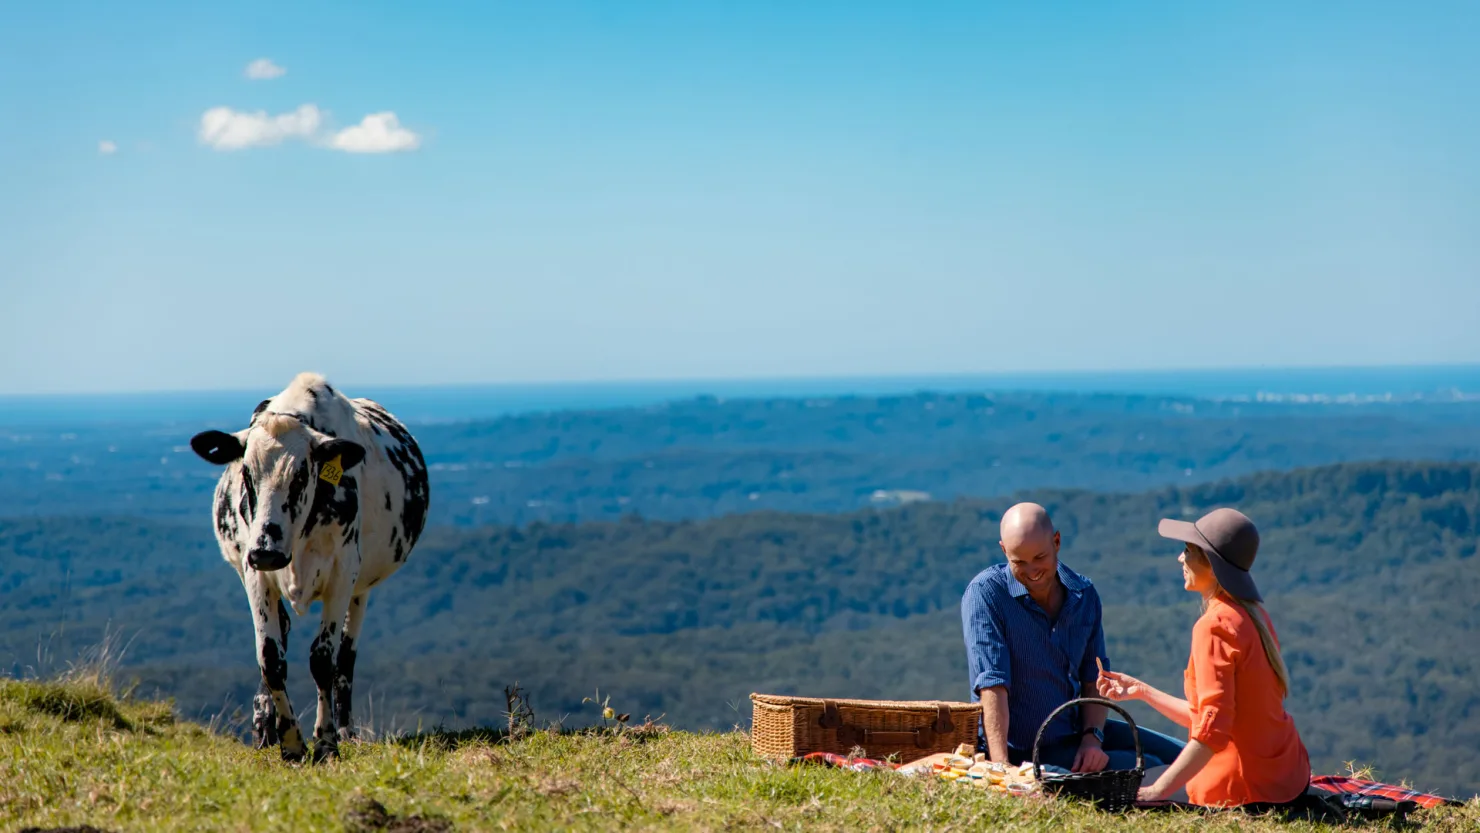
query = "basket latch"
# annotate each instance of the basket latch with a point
(831, 718)
(943, 724)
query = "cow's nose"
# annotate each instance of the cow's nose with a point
(267, 560)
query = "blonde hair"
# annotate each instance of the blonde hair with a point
(1260, 616)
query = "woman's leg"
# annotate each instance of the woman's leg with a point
(1120, 745)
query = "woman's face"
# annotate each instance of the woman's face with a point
(1197, 573)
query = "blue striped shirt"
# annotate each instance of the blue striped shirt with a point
(1011, 642)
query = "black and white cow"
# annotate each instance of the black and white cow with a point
(323, 497)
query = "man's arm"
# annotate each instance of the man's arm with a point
(988, 665)
(1090, 757)
(994, 722)
(1092, 715)
(1091, 662)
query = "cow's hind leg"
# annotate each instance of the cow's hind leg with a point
(272, 659)
(344, 667)
(322, 661)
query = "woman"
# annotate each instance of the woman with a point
(1242, 745)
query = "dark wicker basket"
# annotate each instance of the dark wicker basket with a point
(1109, 789)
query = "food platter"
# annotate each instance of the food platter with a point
(969, 768)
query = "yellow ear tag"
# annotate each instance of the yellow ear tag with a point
(331, 472)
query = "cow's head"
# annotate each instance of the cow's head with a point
(283, 463)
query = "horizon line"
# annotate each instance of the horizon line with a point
(761, 379)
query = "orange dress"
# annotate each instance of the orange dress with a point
(1237, 711)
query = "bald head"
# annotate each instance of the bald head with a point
(1032, 548)
(1025, 523)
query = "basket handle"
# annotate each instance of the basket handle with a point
(1099, 701)
(850, 735)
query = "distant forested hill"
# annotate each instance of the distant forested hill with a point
(1369, 569)
(708, 457)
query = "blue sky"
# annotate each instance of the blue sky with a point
(700, 190)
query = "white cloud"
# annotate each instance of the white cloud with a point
(263, 69)
(107, 148)
(226, 129)
(376, 133)
(223, 128)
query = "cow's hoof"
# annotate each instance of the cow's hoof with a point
(325, 750)
(264, 737)
(293, 756)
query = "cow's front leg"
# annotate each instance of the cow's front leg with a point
(267, 724)
(272, 660)
(344, 667)
(322, 657)
(264, 718)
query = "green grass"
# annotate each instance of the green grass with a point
(72, 753)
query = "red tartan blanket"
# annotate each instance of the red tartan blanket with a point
(842, 761)
(1343, 785)
(1334, 784)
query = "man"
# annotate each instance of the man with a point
(1033, 636)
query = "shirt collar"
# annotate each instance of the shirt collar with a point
(1073, 582)
(1014, 586)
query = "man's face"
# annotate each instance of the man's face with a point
(1034, 561)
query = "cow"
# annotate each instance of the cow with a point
(323, 497)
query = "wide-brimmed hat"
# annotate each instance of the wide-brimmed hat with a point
(1231, 542)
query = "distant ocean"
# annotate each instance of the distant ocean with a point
(459, 403)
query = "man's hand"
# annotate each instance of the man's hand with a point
(1116, 686)
(1090, 757)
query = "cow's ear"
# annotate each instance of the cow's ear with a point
(350, 453)
(217, 447)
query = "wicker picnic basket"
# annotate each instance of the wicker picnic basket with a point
(1109, 789)
(785, 727)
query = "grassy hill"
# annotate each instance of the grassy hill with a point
(1369, 569)
(73, 754)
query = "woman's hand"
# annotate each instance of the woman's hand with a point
(1116, 686)
(1151, 793)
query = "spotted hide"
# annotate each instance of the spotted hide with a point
(322, 498)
